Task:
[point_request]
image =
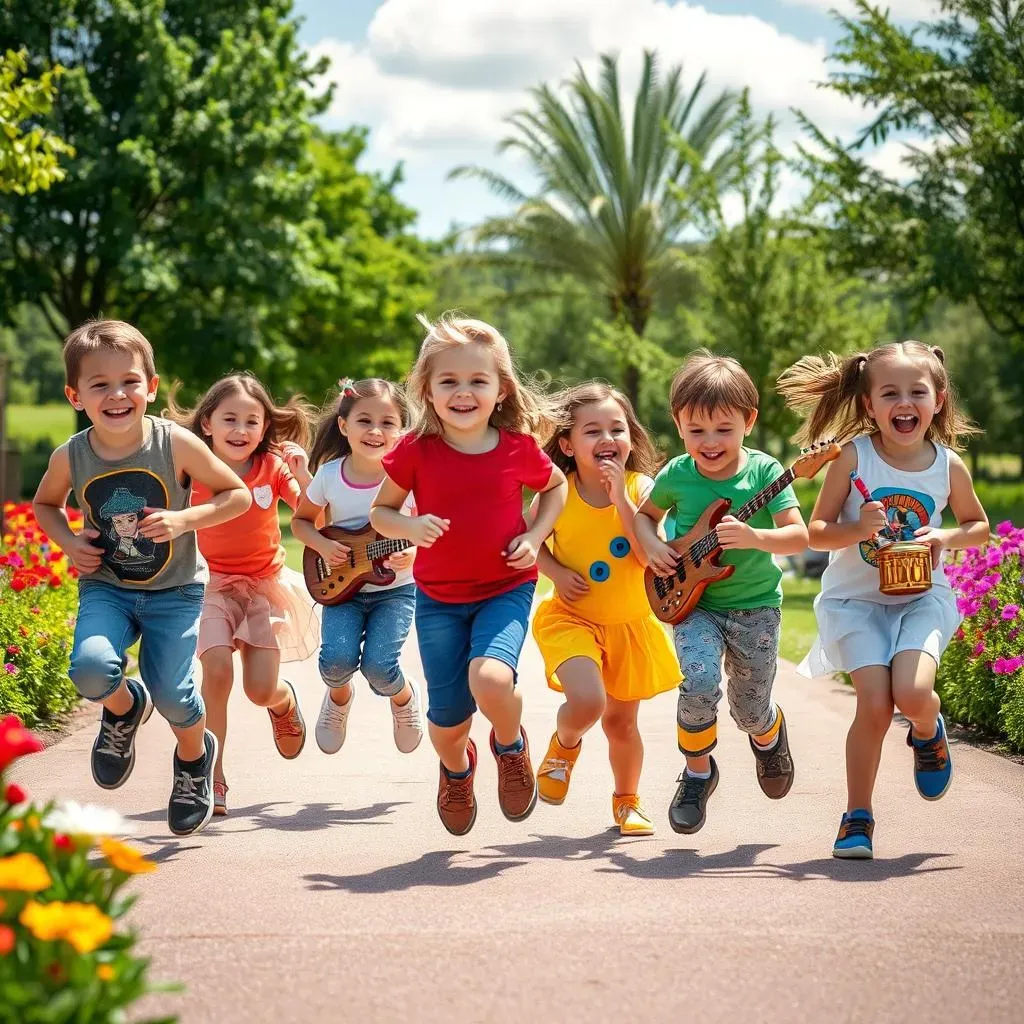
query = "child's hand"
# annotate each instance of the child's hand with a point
(936, 539)
(734, 535)
(661, 558)
(521, 552)
(872, 519)
(424, 530)
(571, 586)
(86, 557)
(401, 560)
(613, 476)
(333, 552)
(161, 525)
(295, 458)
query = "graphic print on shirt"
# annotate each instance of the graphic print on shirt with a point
(263, 495)
(114, 506)
(906, 511)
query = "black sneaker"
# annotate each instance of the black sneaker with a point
(686, 812)
(191, 803)
(113, 752)
(775, 765)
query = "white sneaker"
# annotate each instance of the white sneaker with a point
(332, 723)
(408, 722)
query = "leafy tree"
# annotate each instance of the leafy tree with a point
(187, 210)
(768, 296)
(956, 227)
(29, 154)
(606, 211)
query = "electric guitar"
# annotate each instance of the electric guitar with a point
(335, 584)
(673, 597)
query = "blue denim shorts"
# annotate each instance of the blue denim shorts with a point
(451, 635)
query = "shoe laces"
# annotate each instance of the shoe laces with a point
(692, 789)
(625, 804)
(775, 765)
(550, 765)
(185, 789)
(114, 738)
(931, 757)
(407, 714)
(855, 827)
(333, 715)
(286, 724)
(458, 791)
(515, 771)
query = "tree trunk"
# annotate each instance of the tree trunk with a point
(637, 309)
(631, 383)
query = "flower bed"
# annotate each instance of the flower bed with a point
(64, 953)
(38, 602)
(981, 679)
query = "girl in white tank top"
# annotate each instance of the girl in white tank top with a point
(895, 409)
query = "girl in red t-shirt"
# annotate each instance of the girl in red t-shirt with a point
(254, 604)
(472, 453)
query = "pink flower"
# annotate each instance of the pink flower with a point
(13, 650)
(1010, 612)
(11, 670)
(979, 648)
(1004, 528)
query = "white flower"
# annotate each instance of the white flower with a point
(87, 820)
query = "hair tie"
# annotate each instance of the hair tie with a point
(348, 387)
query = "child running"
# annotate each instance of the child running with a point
(467, 462)
(142, 576)
(897, 405)
(254, 604)
(714, 406)
(367, 632)
(601, 643)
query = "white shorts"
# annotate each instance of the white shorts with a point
(854, 633)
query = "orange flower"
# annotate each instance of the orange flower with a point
(125, 858)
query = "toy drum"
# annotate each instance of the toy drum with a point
(904, 569)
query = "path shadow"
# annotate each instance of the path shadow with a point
(310, 817)
(427, 871)
(163, 849)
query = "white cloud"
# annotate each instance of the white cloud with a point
(891, 157)
(435, 78)
(901, 10)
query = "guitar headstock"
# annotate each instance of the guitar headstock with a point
(813, 458)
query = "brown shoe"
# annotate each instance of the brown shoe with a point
(456, 806)
(775, 765)
(289, 728)
(517, 785)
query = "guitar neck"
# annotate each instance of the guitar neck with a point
(759, 500)
(384, 547)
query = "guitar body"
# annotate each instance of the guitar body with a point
(335, 584)
(672, 598)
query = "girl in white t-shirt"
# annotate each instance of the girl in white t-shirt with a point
(367, 632)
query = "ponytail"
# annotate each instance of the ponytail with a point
(329, 442)
(827, 392)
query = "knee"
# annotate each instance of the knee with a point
(913, 703)
(337, 669)
(875, 713)
(620, 728)
(589, 706)
(489, 681)
(96, 668)
(261, 692)
(385, 679)
(181, 707)
(700, 679)
(218, 671)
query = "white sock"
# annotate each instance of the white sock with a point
(698, 775)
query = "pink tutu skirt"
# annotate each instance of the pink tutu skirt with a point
(275, 611)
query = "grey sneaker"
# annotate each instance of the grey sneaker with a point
(408, 722)
(686, 813)
(113, 752)
(332, 723)
(192, 798)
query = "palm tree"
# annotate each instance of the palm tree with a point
(611, 204)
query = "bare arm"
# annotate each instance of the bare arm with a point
(387, 518)
(50, 508)
(523, 551)
(660, 557)
(570, 584)
(972, 522)
(825, 533)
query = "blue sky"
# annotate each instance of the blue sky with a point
(432, 79)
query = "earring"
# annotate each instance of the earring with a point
(498, 407)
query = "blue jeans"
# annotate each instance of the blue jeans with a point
(452, 635)
(111, 619)
(366, 634)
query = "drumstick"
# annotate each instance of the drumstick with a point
(866, 495)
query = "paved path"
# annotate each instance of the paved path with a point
(332, 892)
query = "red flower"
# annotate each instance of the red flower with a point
(18, 584)
(23, 630)
(54, 556)
(13, 650)
(73, 573)
(15, 741)
(63, 843)
(14, 794)
(55, 580)
(6, 939)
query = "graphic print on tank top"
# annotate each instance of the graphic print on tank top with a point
(906, 511)
(114, 506)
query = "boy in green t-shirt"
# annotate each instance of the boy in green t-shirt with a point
(714, 405)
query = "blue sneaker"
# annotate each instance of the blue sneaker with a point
(933, 767)
(854, 839)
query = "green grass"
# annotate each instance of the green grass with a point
(54, 423)
(799, 626)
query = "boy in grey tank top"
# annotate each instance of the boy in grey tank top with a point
(141, 575)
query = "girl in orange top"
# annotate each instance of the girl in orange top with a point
(254, 604)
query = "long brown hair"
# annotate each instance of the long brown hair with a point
(288, 422)
(525, 409)
(829, 393)
(330, 442)
(643, 458)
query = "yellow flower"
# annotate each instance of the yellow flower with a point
(125, 858)
(80, 924)
(105, 972)
(24, 872)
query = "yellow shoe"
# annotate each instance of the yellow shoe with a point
(555, 770)
(630, 816)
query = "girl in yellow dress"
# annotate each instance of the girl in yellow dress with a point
(601, 644)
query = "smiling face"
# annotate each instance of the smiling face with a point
(599, 433)
(714, 440)
(126, 524)
(464, 387)
(113, 391)
(902, 400)
(373, 426)
(236, 427)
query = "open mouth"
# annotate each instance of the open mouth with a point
(905, 424)
(117, 414)
(711, 456)
(462, 409)
(239, 444)
(372, 444)
(606, 456)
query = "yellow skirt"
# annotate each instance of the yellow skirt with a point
(636, 658)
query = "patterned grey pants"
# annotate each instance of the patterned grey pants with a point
(749, 641)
